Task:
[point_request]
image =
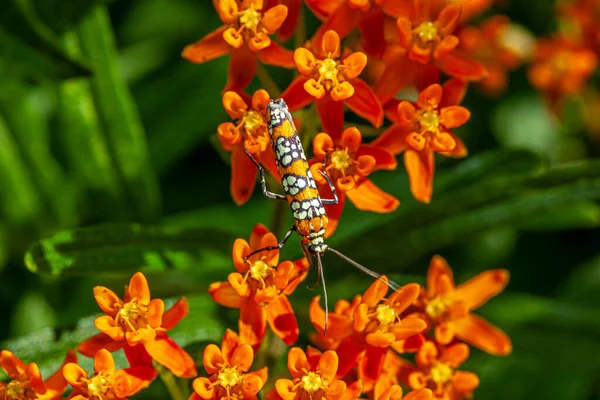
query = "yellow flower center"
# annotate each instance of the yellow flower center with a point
(99, 385)
(437, 306)
(385, 314)
(229, 377)
(441, 373)
(427, 32)
(132, 316)
(15, 390)
(311, 382)
(328, 69)
(340, 160)
(429, 121)
(252, 121)
(250, 18)
(259, 270)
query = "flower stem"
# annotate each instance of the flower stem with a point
(171, 383)
(267, 82)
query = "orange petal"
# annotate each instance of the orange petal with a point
(176, 313)
(168, 353)
(104, 362)
(380, 339)
(443, 142)
(454, 116)
(365, 103)
(437, 267)
(331, 43)
(137, 356)
(282, 320)
(351, 139)
(430, 97)
(243, 176)
(275, 54)
(213, 359)
(252, 324)
(208, 48)
(339, 326)
(383, 158)
(314, 88)
(399, 72)
(420, 167)
(408, 327)
(305, 61)
(259, 42)
(291, 22)
(233, 38)
(234, 105)
(445, 47)
(74, 374)
(32, 371)
(331, 114)
(454, 92)
(108, 325)
(225, 295)
(404, 297)
(251, 386)
(448, 18)
(479, 333)
(375, 292)
(322, 144)
(239, 284)
(417, 380)
(361, 317)
(354, 64)
(227, 10)
(242, 67)
(422, 9)
(274, 17)
(335, 389)
(479, 289)
(465, 382)
(203, 387)
(107, 300)
(365, 164)
(419, 394)
(56, 383)
(90, 346)
(427, 355)
(243, 357)
(328, 365)
(342, 21)
(405, 31)
(298, 363)
(461, 66)
(130, 381)
(368, 197)
(444, 333)
(231, 341)
(393, 139)
(455, 355)
(295, 96)
(341, 91)
(285, 388)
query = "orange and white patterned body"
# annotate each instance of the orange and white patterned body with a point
(298, 183)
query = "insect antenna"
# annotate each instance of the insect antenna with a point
(393, 285)
(320, 272)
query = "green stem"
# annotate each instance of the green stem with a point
(171, 383)
(267, 82)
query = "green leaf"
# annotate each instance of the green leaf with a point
(118, 116)
(123, 249)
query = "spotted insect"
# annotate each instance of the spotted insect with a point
(310, 218)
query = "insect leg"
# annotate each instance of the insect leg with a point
(269, 248)
(335, 199)
(320, 266)
(270, 195)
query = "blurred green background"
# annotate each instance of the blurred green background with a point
(108, 166)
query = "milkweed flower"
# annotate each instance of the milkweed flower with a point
(26, 380)
(107, 382)
(424, 128)
(447, 307)
(246, 36)
(312, 377)
(249, 132)
(139, 324)
(369, 326)
(348, 162)
(332, 82)
(437, 371)
(229, 367)
(259, 288)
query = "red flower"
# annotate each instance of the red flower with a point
(331, 83)
(248, 132)
(348, 162)
(260, 288)
(423, 128)
(246, 36)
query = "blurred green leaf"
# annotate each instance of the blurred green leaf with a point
(578, 214)
(122, 249)
(118, 116)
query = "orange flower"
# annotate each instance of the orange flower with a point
(139, 325)
(447, 307)
(246, 36)
(313, 378)
(107, 382)
(332, 82)
(228, 368)
(438, 372)
(423, 128)
(368, 327)
(260, 288)
(348, 162)
(248, 132)
(561, 67)
(500, 46)
(26, 381)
